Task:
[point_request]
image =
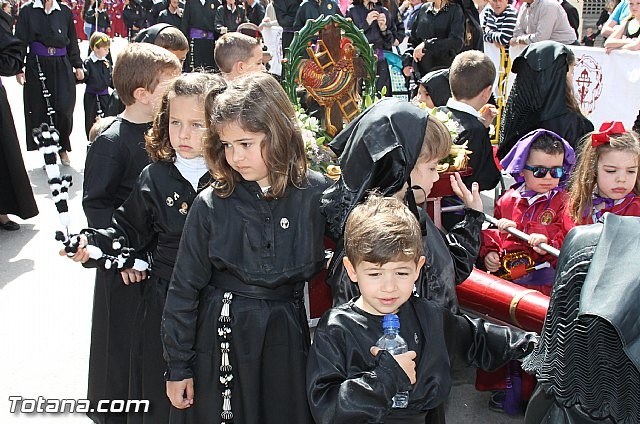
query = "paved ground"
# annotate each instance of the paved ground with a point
(46, 300)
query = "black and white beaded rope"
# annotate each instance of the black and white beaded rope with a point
(226, 369)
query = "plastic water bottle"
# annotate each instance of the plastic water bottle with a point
(393, 343)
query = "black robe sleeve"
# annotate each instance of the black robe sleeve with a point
(337, 394)
(192, 273)
(463, 241)
(485, 345)
(12, 56)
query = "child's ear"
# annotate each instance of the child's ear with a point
(141, 95)
(351, 270)
(420, 264)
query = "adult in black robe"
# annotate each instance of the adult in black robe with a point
(588, 360)
(114, 161)
(16, 196)
(52, 41)
(286, 11)
(150, 221)
(539, 97)
(229, 16)
(199, 25)
(347, 384)
(378, 151)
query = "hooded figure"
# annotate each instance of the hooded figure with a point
(378, 151)
(591, 330)
(437, 85)
(539, 98)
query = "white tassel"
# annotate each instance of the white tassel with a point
(226, 405)
(225, 366)
(226, 304)
(140, 265)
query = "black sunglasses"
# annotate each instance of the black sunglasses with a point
(541, 171)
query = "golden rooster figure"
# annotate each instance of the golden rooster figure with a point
(332, 82)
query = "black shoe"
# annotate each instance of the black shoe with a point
(496, 401)
(10, 226)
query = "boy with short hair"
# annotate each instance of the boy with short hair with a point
(114, 161)
(238, 54)
(471, 77)
(348, 379)
(97, 77)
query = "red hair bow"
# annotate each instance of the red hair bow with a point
(607, 129)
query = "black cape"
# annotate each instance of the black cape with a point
(16, 195)
(588, 360)
(346, 384)
(537, 98)
(378, 150)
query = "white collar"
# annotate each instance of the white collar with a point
(462, 107)
(203, 2)
(95, 58)
(533, 199)
(37, 4)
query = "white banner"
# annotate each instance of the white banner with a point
(607, 86)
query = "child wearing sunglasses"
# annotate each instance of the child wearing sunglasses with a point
(540, 163)
(606, 177)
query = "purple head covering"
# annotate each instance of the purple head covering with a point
(514, 162)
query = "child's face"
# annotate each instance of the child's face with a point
(101, 52)
(243, 152)
(384, 288)
(423, 97)
(187, 125)
(541, 159)
(617, 173)
(180, 54)
(254, 63)
(424, 174)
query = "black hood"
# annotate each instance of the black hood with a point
(377, 151)
(437, 85)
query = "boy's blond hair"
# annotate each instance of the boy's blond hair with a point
(382, 230)
(437, 141)
(99, 39)
(140, 65)
(233, 47)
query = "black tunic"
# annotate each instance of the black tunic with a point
(104, 21)
(229, 19)
(114, 161)
(312, 9)
(255, 13)
(443, 33)
(148, 219)
(166, 17)
(16, 196)
(267, 247)
(346, 384)
(203, 17)
(97, 77)
(53, 30)
(133, 15)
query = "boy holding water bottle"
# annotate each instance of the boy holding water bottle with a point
(349, 379)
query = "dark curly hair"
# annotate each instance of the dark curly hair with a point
(199, 84)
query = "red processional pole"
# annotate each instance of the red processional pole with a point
(487, 294)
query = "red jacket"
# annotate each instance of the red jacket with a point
(628, 207)
(544, 216)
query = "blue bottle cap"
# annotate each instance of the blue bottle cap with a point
(390, 321)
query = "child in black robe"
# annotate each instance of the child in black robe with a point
(49, 32)
(348, 379)
(154, 215)
(114, 161)
(234, 328)
(97, 77)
